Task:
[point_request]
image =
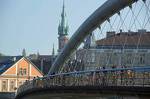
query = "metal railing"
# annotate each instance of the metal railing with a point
(104, 77)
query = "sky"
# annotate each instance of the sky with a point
(33, 24)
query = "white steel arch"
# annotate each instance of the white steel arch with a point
(108, 9)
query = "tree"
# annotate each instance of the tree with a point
(24, 53)
(1, 54)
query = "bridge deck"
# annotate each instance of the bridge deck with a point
(126, 90)
(126, 81)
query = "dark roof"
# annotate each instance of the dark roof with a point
(5, 58)
(40, 57)
(7, 61)
(43, 68)
(45, 57)
(126, 39)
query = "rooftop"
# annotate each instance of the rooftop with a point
(126, 39)
(7, 61)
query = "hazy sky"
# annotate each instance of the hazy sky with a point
(32, 24)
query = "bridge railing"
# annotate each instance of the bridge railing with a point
(103, 77)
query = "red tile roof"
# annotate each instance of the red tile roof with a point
(126, 39)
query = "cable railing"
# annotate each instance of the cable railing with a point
(137, 76)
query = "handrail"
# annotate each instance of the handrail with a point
(101, 70)
(115, 77)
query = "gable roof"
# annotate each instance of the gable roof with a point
(7, 62)
(11, 60)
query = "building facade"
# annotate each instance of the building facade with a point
(43, 62)
(128, 49)
(15, 71)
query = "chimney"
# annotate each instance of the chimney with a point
(142, 31)
(120, 30)
(110, 34)
(42, 65)
(14, 59)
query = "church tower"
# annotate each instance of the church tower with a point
(62, 31)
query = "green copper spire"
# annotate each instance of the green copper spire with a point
(63, 27)
(53, 52)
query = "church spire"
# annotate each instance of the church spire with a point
(53, 52)
(62, 30)
(63, 27)
(63, 16)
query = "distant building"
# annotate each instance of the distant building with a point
(14, 71)
(62, 31)
(124, 49)
(43, 62)
(24, 53)
(90, 41)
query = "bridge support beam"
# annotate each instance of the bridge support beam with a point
(60, 91)
(108, 9)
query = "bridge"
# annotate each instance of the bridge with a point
(121, 79)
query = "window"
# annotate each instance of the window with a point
(108, 59)
(4, 86)
(143, 50)
(22, 71)
(88, 57)
(93, 57)
(142, 59)
(129, 59)
(12, 85)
